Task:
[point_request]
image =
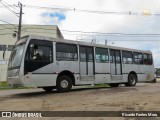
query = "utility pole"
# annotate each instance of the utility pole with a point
(20, 22)
(106, 42)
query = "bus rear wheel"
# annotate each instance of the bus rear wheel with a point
(48, 89)
(64, 83)
(113, 84)
(132, 80)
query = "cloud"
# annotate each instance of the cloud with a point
(60, 16)
(53, 18)
(93, 22)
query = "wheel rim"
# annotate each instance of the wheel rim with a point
(133, 80)
(64, 83)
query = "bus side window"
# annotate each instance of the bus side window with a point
(102, 55)
(147, 58)
(127, 57)
(66, 52)
(138, 58)
(150, 59)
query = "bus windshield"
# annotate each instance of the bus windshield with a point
(16, 56)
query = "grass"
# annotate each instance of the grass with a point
(100, 86)
(5, 86)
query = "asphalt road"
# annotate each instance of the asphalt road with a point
(143, 97)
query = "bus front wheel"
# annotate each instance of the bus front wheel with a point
(132, 80)
(64, 84)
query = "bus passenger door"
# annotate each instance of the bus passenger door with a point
(86, 63)
(38, 60)
(115, 60)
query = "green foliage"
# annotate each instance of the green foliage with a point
(100, 85)
(3, 84)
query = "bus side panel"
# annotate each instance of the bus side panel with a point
(72, 66)
(139, 70)
(102, 72)
(140, 77)
(45, 76)
(125, 77)
(102, 78)
(40, 80)
(149, 70)
(126, 69)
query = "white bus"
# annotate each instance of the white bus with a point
(50, 63)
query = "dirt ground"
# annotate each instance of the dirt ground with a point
(143, 97)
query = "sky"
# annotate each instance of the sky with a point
(130, 17)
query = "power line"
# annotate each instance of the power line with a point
(7, 28)
(147, 34)
(89, 35)
(93, 11)
(127, 40)
(82, 10)
(84, 33)
(112, 34)
(97, 32)
(6, 6)
(2, 6)
(48, 8)
(9, 23)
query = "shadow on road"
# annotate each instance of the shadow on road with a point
(28, 94)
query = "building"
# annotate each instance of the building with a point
(8, 39)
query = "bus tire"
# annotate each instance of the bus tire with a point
(113, 84)
(64, 83)
(132, 80)
(154, 81)
(48, 89)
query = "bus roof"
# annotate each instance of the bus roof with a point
(84, 43)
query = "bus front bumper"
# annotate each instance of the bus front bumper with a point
(15, 81)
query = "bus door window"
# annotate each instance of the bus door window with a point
(115, 60)
(86, 60)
